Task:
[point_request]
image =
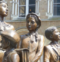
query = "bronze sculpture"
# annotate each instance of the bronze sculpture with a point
(33, 41)
(9, 42)
(52, 51)
(3, 25)
(4, 13)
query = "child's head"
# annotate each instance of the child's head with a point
(33, 21)
(9, 39)
(52, 33)
(3, 9)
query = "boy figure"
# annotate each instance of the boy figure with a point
(52, 51)
(9, 42)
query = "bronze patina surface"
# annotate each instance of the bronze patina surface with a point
(4, 13)
(9, 42)
(52, 51)
(3, 24)
(33, 41)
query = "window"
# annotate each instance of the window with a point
(31, 6)
(22, 8)
(25, 7)
(56, 10)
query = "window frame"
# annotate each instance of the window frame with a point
(53, 10)
(15, 8)
(49, 12)
(21, 6)
(27, 8)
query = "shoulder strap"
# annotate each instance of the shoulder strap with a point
(58, 56)
(55, 51)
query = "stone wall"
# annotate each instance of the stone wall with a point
(43, 9)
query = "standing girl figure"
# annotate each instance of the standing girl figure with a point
(33, 41)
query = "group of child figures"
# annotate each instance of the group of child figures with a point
(11, 43)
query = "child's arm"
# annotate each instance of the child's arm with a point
(46, 55)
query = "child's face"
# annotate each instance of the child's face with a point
(56, 35)
(5, 43)
(3, 9)
(31, 24)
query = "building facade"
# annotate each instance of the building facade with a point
(45, 9)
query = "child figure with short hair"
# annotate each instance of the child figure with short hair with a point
(52, 50)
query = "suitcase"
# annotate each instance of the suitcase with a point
(23, 53)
